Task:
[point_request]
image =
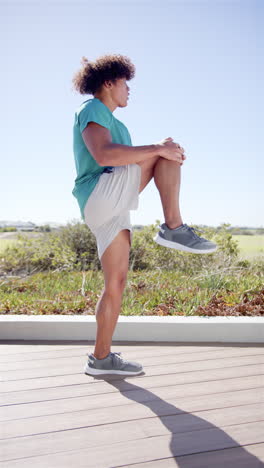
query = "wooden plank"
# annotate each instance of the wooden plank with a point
(248, 456)
(146, 449)
(31, 353)
(47, 417)
(75, 395)
(183, 373)
(66, 353)
(169, 363)
(37, 347)
(196, 383)
(146, 358)
(24, 347)
(181, 367)
(81, 438)
(99, 402)
(73, 343)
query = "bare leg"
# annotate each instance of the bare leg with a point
(167, 177)
(107, 312)
(115, 262)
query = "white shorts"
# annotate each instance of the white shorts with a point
(107, 209)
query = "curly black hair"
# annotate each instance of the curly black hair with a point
(91, 77)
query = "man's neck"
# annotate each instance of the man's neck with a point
(107, 102)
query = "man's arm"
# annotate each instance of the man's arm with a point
(119, 155)
(98, 140)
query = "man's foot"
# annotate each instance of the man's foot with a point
(184, 238)
(113, 363)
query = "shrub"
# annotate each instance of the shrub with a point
(73, 247)
(30, 255)
(79, 238)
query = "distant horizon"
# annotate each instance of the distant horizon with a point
(50, 223)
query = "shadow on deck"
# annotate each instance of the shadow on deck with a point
(195, 405)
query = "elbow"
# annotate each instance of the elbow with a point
(102, 157)
(98, 157)
(100, 160)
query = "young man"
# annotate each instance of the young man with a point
(110, 175)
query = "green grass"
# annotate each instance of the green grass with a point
(146, 293)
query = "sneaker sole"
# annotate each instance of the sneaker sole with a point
(89, 370)
(174, 245)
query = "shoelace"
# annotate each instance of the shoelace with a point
(192, 230)
(119, 359)
(119, 354)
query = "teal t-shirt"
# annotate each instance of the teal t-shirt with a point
(87, 169)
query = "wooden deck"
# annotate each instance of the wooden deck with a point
(194, 406)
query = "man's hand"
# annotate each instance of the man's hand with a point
(168, 149)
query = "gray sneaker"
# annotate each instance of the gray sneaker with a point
(113, 363)
(184, 238)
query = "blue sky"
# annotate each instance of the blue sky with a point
(198, 80)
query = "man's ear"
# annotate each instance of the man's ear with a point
(108, 83)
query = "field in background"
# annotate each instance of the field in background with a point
(250, 246)
(6, 243)
(10, 238)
